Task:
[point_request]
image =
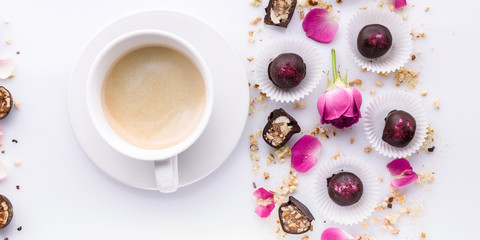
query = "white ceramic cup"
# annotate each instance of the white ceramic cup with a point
(165, 160)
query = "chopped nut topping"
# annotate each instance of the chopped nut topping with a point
(378, 83)
(279, 130)
(372, 91)
(423, 93)
(294, 220)
(414, 57)
(358, 81)
(266, 175)
(352, 140)
(283, 152)
(253, 147)
(16, 163)
(367, 149)
(427, 9)
(250, 58)
(280, 10)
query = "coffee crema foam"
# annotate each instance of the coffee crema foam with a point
(153, 97)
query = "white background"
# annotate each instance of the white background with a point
(64, 196)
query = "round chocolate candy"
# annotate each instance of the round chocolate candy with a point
(374, 41)
(6, 102)
(399, 128)
(6, 211)
(287, 70)
(345, 188)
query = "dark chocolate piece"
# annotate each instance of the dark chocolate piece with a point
(6, 102)
(287, 70)
(6, 211)
(295, 218)
(279, 12)
(399, 128)
(280, 128)
(345, 188)
(374, 41)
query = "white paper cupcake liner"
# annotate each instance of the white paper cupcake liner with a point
(355, 213)
(401, 48)
(311, 57)
(374, 118)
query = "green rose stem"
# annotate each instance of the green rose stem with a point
(334, 66)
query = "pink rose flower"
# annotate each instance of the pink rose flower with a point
(340, 104)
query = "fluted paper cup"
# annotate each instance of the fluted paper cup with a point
(355, 213)
(311, 57)
(401, 48)
(374, 118)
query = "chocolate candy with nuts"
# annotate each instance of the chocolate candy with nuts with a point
(6, 102)
(280, 128)
(295, 218)
(6, 211)
(279, 12)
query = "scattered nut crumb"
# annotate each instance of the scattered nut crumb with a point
(363, 69)
(256, 86)
(307, 237)
(255, 20)
(414, 57)
(301, 105)
(378, 83)
(425, 177)
(17, 163)
(436, 104)
(383, 74)
(422, 236)
(367, 149)
(365, 224)
(351, 83)
(254, 185)
(266, 175)
(423, 93)
(404, 16)
(431, 149)
(283, 152)
(352, 140)
(337, 156)
(372, 91)
(339, 1)
(16, 104)
(409, 75)
(380, 179)
(427, 9)
(358, 81)
(259, 132)
(251, 40)
(255, 3)
(8, 41)
(302, 14)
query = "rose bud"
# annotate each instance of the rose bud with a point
(340, 104)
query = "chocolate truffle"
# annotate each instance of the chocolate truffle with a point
(345, 188)
(399, 128)
(287, 70)
(6, 102)
(279, 128)
(374, 41)
(6, 211)
(295, 218)
(279, 12)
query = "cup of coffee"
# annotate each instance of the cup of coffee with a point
(150, 96)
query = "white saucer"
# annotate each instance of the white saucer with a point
(230, 109)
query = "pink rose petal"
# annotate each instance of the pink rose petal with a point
(263, 194)
(265, 202)
(1, 131)
(6, 68)
(320, 26)
(337, 102)
(264, 211)
(399, 3)
(336, 234)
(401, 172)
(304, 153)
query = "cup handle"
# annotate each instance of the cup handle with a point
(166, 174)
